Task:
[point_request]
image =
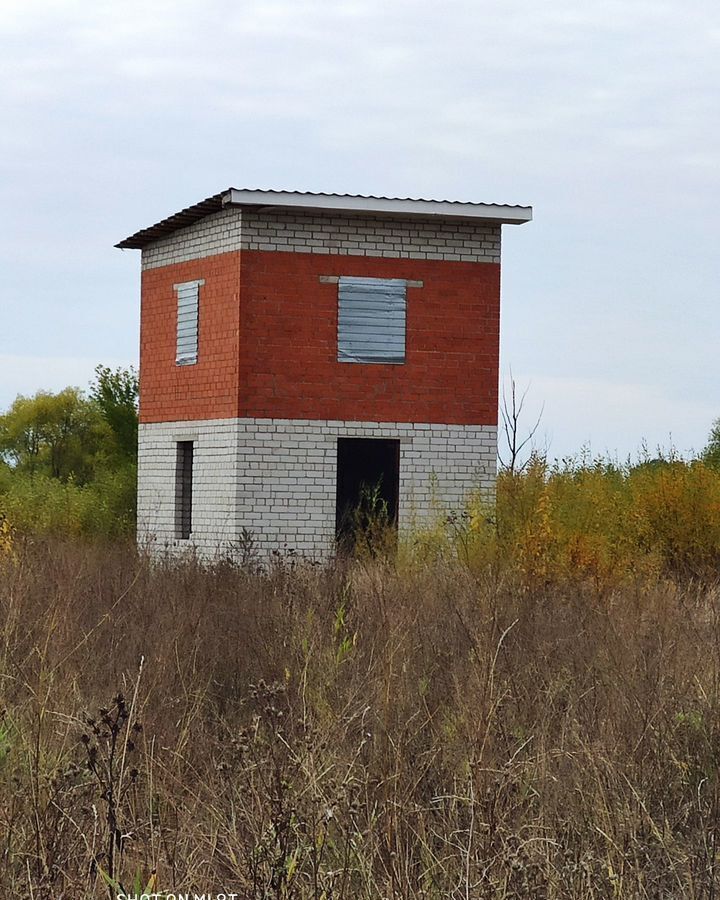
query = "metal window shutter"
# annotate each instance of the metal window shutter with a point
(188, 296)
(371, 320)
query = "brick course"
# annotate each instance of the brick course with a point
(209, 388)
(327, 234)
(384, 237)
(268, 342)
(277, 478)
(288, 342)
(217, 233)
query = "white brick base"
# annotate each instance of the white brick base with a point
(276, 479)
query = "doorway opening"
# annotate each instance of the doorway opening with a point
(368, 491)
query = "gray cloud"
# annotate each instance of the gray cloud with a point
(603, 115)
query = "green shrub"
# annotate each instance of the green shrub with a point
(43, 505)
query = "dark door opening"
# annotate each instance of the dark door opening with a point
(368, 489)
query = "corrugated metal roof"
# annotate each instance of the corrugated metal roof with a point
(181, 219)
(359, 203)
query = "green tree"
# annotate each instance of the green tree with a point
(68, 461)
(116, 394)
(59, 435)
(711, 454)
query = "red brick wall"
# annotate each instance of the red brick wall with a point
(288, 342)
(208, 389)
(268, 342)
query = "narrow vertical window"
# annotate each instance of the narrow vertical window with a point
(371, 320)
(188, 304)
(183, 489)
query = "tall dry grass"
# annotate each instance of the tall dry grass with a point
(363, 730)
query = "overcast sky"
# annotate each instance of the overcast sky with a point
(604, 116)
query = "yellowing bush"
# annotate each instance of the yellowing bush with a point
(597, 521)
(6, 537)
(676, 512)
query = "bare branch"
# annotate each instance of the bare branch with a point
(511, 412)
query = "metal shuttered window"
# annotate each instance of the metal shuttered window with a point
(371, 320)
(188, 302)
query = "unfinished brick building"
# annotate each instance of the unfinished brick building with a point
(298, 347)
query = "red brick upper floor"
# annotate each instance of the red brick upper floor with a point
(268, 342)
(242, 314)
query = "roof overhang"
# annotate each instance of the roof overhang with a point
(510, 215)
(498, 213)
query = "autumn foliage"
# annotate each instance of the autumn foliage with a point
(520, 702)
(519, 699)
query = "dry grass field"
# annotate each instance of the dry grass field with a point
(524, 708)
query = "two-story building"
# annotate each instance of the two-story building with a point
(297, 348)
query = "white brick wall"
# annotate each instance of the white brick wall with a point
(218, 233)
(277, 478)
(354, 235)
(330, 233)
(215, 481)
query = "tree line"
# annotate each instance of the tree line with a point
(68, 460)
